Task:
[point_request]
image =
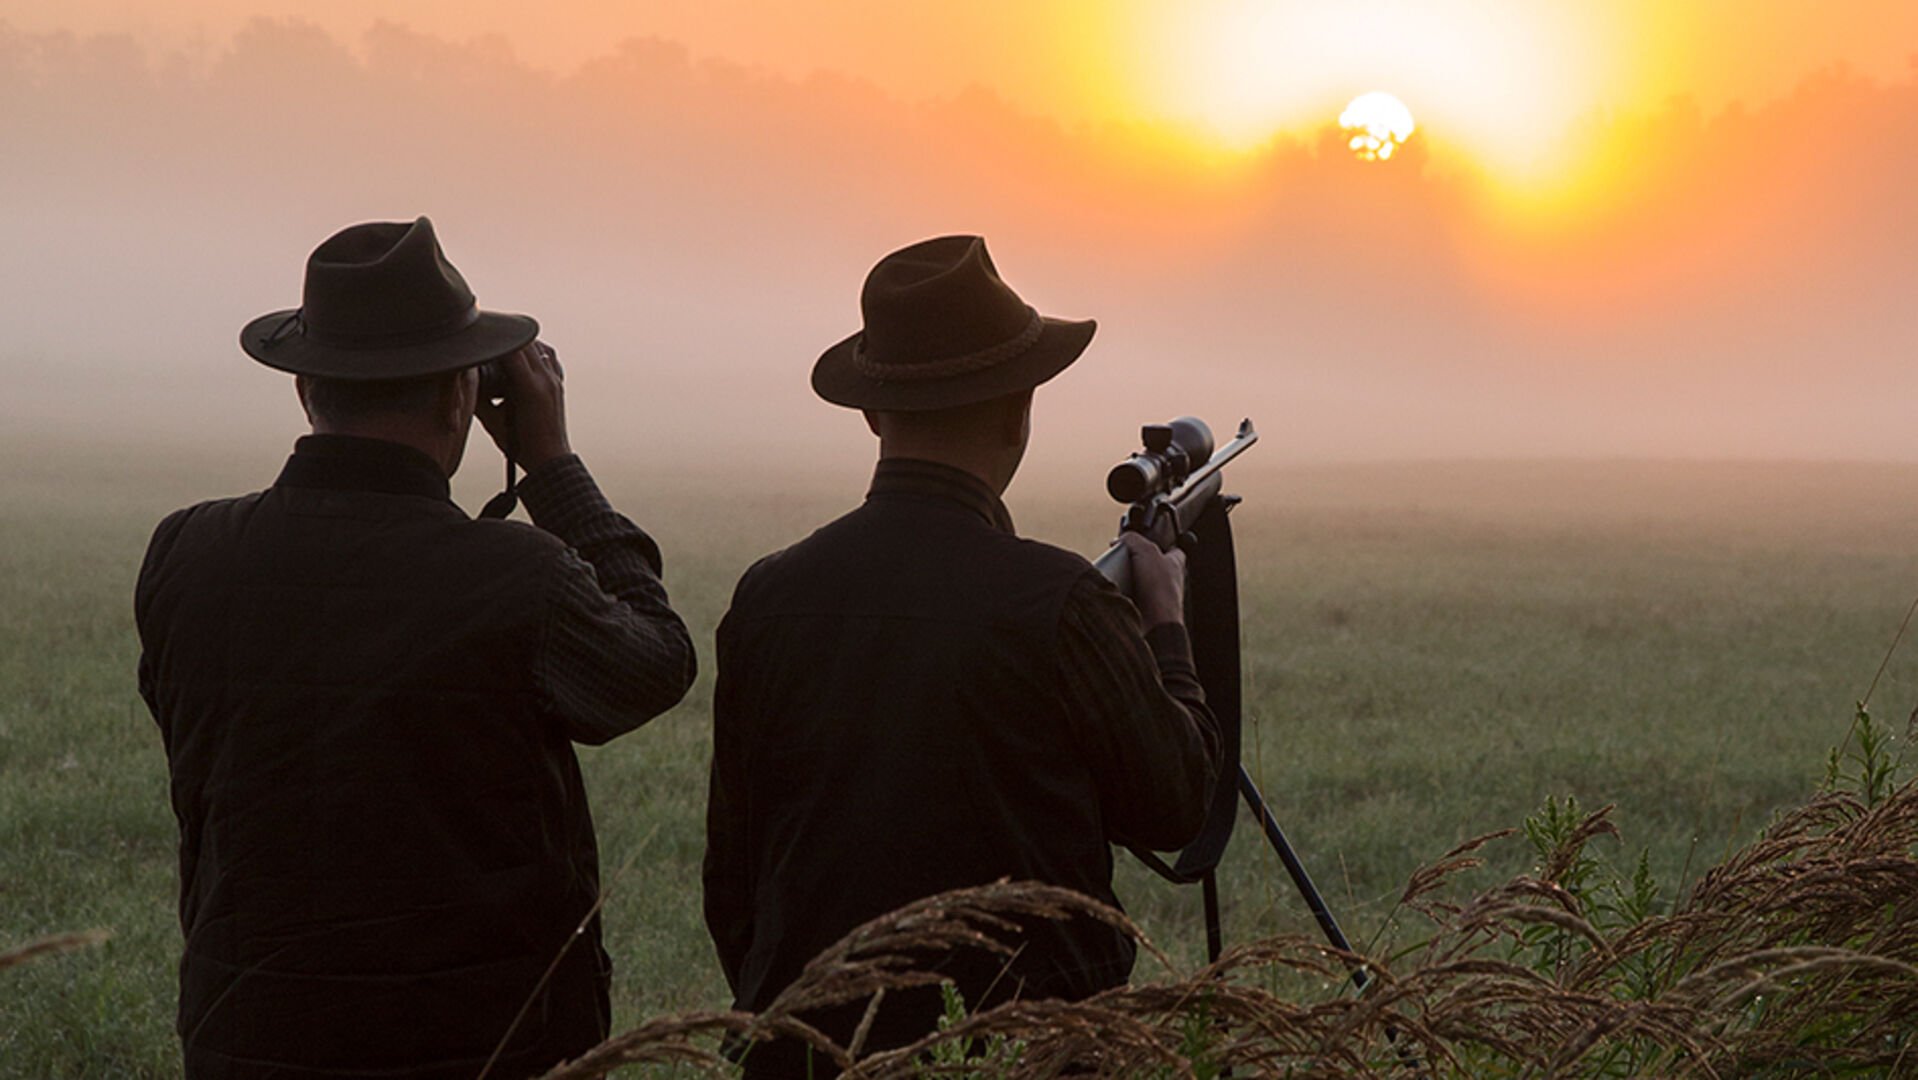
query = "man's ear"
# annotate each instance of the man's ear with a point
(1015, 422)
(458, 397)
(301, 387)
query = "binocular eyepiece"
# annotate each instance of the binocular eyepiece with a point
(1171, 452)
(492, 380)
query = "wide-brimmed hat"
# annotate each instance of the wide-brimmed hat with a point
(942, 329)
(382, 302)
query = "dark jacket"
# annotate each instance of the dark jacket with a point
(905, 706)
(384, 838)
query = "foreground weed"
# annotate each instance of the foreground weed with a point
(965, 1056)
(1873, 767)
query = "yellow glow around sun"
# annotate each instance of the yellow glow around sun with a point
(1500, 84)
(1378, 124)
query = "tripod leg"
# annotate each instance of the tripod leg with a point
(1329, 925)
(1214, 932)
(1273, 834)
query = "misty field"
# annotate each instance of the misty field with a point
(1432, 651)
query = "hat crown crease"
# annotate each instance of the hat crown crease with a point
(941, 301)
(384, 282)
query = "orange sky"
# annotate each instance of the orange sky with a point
(690, 213)
(1508, 78)
(1510, 88)
(1507, 87)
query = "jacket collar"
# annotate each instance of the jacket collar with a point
(910, 478)
(352, 463)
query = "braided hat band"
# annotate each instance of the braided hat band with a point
(952, 365)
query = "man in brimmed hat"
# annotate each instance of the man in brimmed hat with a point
(369, 700)
(913, 699)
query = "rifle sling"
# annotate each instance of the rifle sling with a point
(1212, 622)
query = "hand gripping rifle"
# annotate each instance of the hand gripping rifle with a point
(1173, 489)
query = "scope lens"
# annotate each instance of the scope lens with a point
(1133, 479)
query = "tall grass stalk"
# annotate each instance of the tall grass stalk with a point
(1797, 955)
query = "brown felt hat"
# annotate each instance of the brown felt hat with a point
(942, 329)
(382, 302)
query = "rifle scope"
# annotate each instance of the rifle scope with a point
(1171, 452)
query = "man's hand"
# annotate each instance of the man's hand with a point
(1158, 581)
(530, 427)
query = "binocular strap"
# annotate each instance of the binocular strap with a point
(501, 505)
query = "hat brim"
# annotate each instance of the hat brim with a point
(491, 336)
(837, 379)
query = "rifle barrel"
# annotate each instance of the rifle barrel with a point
(1240, 444)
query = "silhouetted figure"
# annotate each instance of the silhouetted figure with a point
(369, 700)
(914, 699)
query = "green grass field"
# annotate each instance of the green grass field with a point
(1431, 651)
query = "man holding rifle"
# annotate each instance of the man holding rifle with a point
(913, 699)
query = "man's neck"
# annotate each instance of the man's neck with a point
(432, 447)
(987, 467)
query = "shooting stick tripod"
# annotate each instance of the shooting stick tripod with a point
(1213, 624)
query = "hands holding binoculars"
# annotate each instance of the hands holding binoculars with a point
(528, 419)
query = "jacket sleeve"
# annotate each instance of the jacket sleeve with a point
(612, 653)
(726, 874)
(1139, 716)
(148, 583)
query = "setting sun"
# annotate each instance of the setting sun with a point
(1378, 124)
(1502, 87)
